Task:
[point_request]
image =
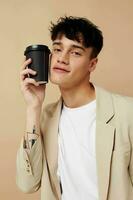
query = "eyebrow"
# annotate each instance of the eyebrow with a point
(73, 46)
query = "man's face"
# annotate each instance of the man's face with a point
(70, 63)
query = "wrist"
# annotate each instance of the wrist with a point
(34, 110)
(33, 119)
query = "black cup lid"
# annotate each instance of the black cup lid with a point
(36, 47)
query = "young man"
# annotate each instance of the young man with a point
(83, 142)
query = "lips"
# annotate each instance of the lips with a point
(61, 69)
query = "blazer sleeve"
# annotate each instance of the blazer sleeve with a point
(29, 167)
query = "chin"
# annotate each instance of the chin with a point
(55, 81)
(60, 83)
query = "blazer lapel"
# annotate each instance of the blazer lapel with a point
(51, 146)
(104, 139)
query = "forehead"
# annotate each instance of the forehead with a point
(64, 41)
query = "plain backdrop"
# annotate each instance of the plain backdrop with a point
(27, 22)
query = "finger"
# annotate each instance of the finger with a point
(28, 81)
(27, 71)
(26, 63)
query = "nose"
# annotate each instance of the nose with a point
(63, 58)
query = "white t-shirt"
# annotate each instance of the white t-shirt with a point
(76, 155)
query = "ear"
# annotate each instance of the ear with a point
(92, 64)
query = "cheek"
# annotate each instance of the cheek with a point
(79, 66)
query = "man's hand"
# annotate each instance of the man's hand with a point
(33, 92)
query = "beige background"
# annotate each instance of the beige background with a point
(26, 22)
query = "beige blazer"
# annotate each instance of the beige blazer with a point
(114, 150)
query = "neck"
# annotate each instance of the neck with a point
(78, 96)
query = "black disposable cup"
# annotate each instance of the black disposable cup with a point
(40, 55)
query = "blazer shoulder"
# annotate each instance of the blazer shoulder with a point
(117, 97)
(122, 103)
(124, 100)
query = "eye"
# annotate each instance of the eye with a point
(76, 53)
(56, 49)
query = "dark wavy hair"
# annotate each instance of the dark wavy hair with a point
(80, 29)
